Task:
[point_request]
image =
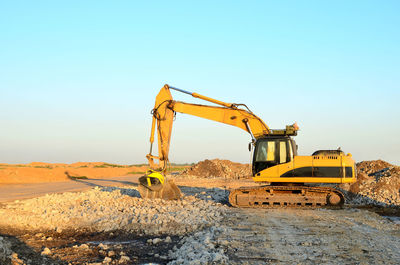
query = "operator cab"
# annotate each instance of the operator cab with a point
(271, 151)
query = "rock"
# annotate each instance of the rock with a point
(107, 260)
(124, 259)
(111, 253)
(102, 246)
(84, 246)
(156, 240)
(15, 260)
(46, 251)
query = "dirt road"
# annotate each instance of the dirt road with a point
(288, 236)
(11, 192)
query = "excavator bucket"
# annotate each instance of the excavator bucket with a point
(154, 185)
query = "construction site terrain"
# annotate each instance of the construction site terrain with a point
(111, 224)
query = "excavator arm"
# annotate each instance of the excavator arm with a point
(165, 107)
(154, 184)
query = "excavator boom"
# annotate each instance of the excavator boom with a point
(228, 113)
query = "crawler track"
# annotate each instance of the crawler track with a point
(285, 196)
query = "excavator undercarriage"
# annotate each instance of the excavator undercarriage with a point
(285, 196)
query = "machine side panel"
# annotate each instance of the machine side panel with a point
(308, 169)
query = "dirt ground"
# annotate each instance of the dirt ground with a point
(236, 236)
(39, 172)
(108, 223)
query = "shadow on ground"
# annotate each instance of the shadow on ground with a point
(208, 194)
(26, 254)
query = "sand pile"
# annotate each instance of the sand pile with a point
(378, 183)
(218, 168)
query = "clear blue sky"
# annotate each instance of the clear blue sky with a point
(78, 78)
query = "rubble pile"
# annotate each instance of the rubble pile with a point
(112, 208)
(378, 183)
(216, 168)
(201, 248)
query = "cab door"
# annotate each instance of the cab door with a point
(265, 158)
(284, 156)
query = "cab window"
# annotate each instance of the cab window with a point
(282, 152)
(266, 151)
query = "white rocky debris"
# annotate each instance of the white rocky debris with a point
(211, 194)
(201, 248)
(112, 208)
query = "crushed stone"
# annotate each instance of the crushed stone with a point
(112, 208)
(201, 248)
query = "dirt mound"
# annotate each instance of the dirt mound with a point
(371, 167)
(378, 183)
(218, 168)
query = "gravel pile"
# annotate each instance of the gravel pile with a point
(218, 168)
(112, 208)
(378, 183)
(201, 248)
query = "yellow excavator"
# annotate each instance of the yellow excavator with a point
(288, 179)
